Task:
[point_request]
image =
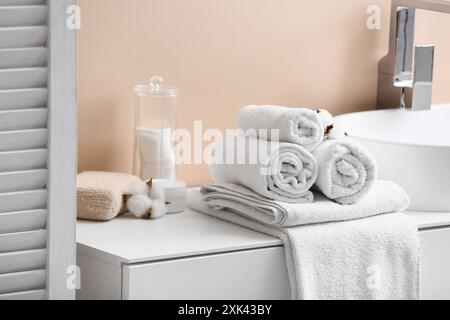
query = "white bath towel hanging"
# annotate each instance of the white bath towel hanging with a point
(371, 258)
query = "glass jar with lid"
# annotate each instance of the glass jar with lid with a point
(156, 120)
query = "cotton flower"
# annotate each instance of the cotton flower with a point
(326, 117)
(157, 191)
(336, 133)
(147, 200)
(139, 187)
(159, 209)
(139, 205)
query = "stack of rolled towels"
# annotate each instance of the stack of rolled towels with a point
(316, 190)
(304, 151)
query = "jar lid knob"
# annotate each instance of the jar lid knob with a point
(156, 83)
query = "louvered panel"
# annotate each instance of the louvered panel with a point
(13, 16)
(23, 241)
(23, 78)
(23, 140)
(23, 119)
(22, 201)
(22, 221)
(19, 261)
(23, 181)
(23, 98)
(26, 72)
(21, 2)
(23, 58)
(26, 295)
(23, 37)
(22, 281)
(23, 160)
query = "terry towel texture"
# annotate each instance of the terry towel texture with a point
(301, 126)
(346, 170)
(385, 196)
(372, 258)
(100, 194)
(284, 172)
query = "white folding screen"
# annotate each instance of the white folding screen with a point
(37, 149)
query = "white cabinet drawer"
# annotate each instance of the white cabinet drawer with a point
(435, 264)
(255, 274)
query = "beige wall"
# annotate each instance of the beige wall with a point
(222, 54)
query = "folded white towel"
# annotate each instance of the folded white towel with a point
(346, 170)
(385, 196)
(283, 172)
(301, 126)
(372, 258)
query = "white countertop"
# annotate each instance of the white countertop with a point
(130, 240)
(427, 220)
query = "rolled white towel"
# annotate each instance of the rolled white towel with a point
(301, 126)
(285, 172)
(346, 170)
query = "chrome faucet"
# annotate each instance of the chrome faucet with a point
(405, 75)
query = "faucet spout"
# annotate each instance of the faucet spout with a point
(406, 72)
(431, 5)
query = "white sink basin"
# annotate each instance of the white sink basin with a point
(412, 149)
